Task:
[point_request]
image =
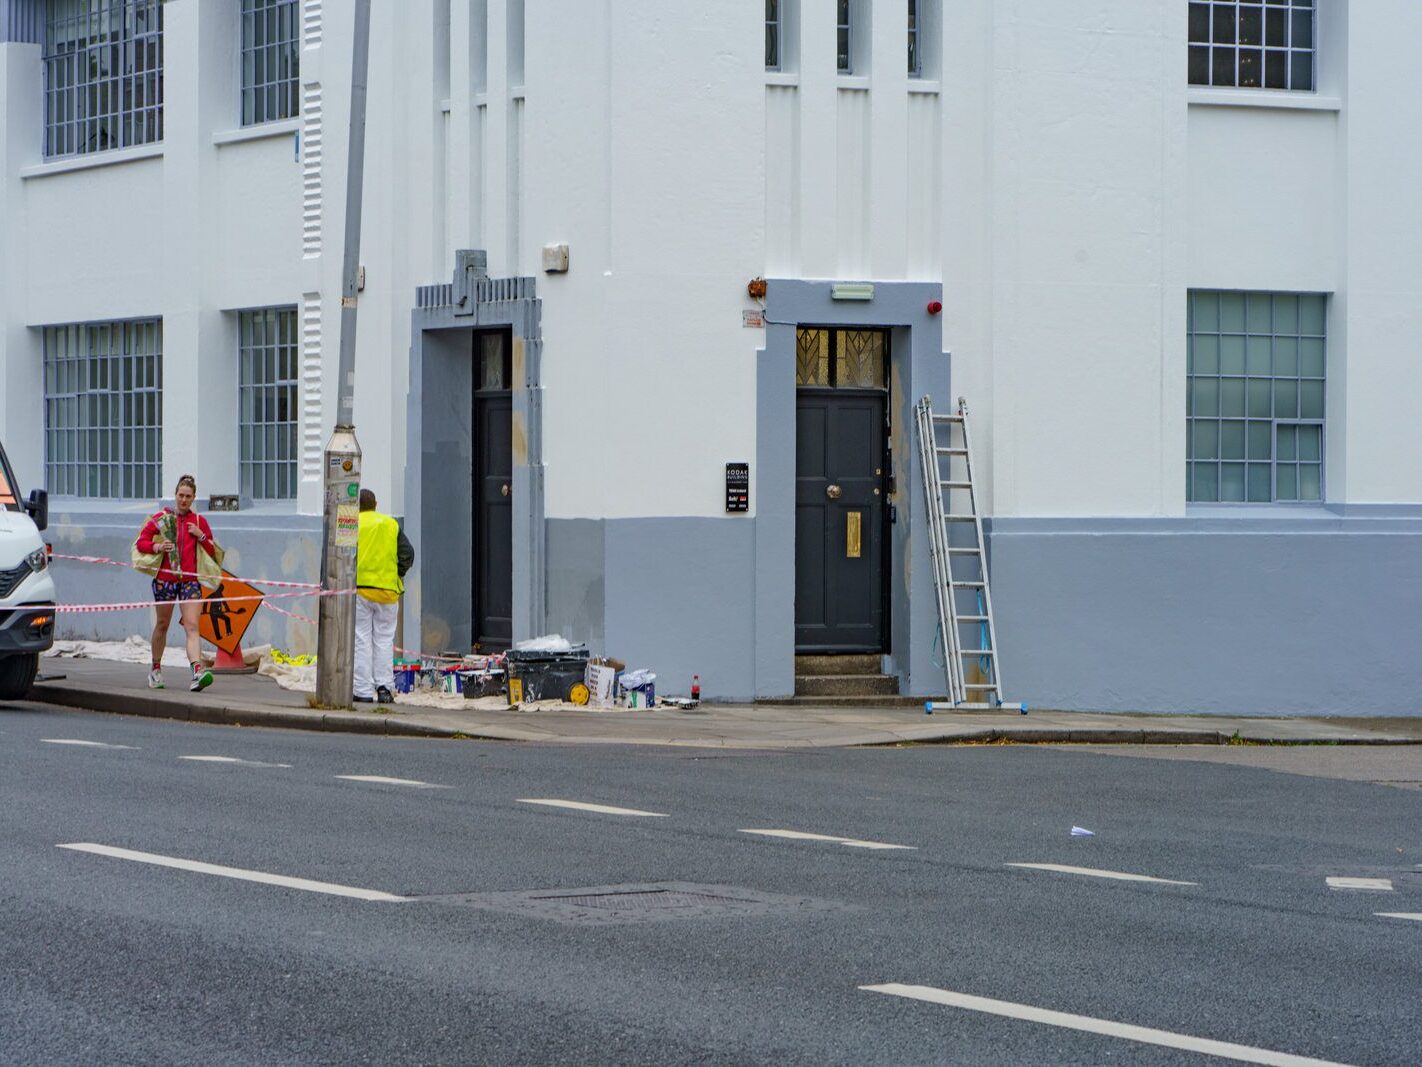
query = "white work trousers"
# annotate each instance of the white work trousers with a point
(374, 646)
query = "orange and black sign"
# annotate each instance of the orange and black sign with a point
(224, 624)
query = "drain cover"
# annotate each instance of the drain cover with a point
(608, 904)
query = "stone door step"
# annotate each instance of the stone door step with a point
(854, 664)
(846, 685)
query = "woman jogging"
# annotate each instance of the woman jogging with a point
(171, 540)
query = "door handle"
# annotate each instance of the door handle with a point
(504, 489)
(833, 492)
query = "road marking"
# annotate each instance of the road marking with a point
(1415, 916)
(1383, 885)
(380, 780)
(231, 872)
(849, 842)
(602, 809)
(1144, 1034)
(1094, 873)
(234, 759)
(86, 744)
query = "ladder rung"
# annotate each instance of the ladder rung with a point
(984, 686)
(960, 518)
(947, 418)
(969, 585)
(951, 451)
(976, 652)
(964, 551)
(970, 618)
(957, 485)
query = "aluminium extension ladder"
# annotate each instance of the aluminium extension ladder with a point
(960, 575)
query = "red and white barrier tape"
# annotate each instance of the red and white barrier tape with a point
(129, 566)
(136, 604)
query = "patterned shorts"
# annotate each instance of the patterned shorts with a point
(167, 592)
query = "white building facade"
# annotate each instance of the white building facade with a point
(1175, 244)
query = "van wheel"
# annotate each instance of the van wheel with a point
(17, 674)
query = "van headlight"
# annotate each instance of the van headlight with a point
(38, 560)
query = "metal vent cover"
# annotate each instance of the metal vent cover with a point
(607, 905)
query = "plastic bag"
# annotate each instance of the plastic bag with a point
(548, 643)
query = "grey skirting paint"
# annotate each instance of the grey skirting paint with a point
(285, 547)
(1311, 615)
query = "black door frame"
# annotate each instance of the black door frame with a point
(886, 511)
(477, 592)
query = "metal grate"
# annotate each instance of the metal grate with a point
(103, 399)
(1255, 44)
(268, 412)
(915, 53)
(271, 61)
(103, 75)
(843, 33)
(772, 34)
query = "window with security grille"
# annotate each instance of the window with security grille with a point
(915, 49)
(844, 36)
(271, 61)
(267, 391)
(103, 75)
(1255, 399)
(103, 409)
(1252, 44)
(772, 34)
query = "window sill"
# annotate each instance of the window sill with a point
(926, 86)
(1200, 96)
(783, 79)
(854, 83)
(279, 128)
(112, 158)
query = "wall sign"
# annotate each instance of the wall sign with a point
(737, 486)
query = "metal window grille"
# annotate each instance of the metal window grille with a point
(103, 409)
(271, 61)
(1256, 44)
(267, 398)
(1255, 399)
(843, 37)
(103, 75)
(772, 34)
(915, 53)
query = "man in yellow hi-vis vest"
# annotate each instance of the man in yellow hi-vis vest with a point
(383, 555)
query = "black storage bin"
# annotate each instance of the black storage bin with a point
(548, 675)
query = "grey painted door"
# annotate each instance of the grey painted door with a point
(840, 543)
(493, 495)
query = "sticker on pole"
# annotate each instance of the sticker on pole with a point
(347, 525)
(224, 624)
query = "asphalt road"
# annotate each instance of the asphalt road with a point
(111, 954)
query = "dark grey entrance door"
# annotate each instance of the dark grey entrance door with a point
(841, 552)
(493, 492)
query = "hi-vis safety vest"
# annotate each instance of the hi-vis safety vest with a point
(376, 552)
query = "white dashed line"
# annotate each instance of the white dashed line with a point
(232, 872)
(601, 809)
(233, 759)
(848, 842)
(1092, 872)
(1377, 885)
(85, 744)
(1105, 1027)
(381, 780)
(1415, 916)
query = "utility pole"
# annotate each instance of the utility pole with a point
(335, 640)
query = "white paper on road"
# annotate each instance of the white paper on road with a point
(1376, 884)
(1143, 1034)
(85, 744)
(1092, 872)
(849, 842)
(601, 809)
(231, 872)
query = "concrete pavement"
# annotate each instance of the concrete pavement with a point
(249, 700)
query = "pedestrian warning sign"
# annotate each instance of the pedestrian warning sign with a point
(223, 624)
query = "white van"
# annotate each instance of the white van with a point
(26, 588)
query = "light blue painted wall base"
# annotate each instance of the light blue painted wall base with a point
(1269, 616)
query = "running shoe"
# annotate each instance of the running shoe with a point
(155, 679)
(202, 678)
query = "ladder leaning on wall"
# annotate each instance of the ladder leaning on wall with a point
(960, 576)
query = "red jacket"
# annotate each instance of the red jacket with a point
(187, 543)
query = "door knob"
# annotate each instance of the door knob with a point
(833, 492)
(504, 489)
